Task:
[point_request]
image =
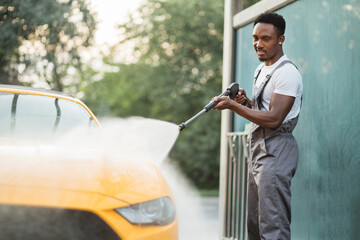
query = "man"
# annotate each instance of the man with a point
(273, 111)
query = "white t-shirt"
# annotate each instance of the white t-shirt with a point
(286, 80)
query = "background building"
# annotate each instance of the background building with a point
(322, 38)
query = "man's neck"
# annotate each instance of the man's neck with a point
(274, 59)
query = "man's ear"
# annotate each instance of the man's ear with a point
(281, 39)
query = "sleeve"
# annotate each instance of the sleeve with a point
(287, 81)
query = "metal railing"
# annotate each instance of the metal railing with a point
(236, 186)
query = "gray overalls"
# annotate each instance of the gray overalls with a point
(272, 166)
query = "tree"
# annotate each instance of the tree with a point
(248, 3)
(178, 46)
(183, 41)
(43, 39)
(118, 93)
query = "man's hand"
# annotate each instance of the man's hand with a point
(242, 98)
(223, 103)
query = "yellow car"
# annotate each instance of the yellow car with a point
(44, 197)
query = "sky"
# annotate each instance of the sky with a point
(109, 14)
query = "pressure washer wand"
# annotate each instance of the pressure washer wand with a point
(231, 91)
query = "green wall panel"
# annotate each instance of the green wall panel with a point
(323, 40)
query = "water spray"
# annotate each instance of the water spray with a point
(231, 91)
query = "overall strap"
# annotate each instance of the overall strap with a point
(255, 79)
(257, 97)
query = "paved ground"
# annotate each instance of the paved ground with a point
(197, 216)
(198, 219)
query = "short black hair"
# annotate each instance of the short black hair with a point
(273, 18)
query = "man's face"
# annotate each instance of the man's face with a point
(266, 43)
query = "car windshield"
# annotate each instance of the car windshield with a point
(34, 116)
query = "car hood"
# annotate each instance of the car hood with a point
(74, 169)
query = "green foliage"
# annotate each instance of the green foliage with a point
(183, 41)
(248, 3)
(185, 47)
(43, 38)
(178, 45)
(179, 49)
(118, 93)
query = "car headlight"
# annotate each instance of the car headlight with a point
(156, 212)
